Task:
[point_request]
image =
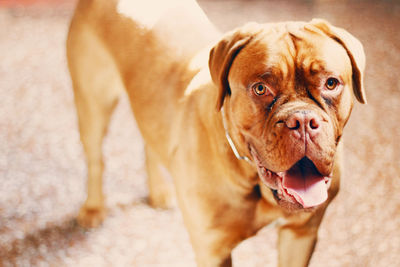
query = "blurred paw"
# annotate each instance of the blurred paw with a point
(90, 217)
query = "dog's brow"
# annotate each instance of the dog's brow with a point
(272, 77)
(266, 74)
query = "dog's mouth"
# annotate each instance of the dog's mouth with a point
(301, 186)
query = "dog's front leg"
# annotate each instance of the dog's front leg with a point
(212, 248)
(217, 230)
(297, 242)
(208, 258)
(212, 245)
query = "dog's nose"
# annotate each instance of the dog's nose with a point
(303, 121)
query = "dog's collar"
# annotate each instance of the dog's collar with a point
(230, 141)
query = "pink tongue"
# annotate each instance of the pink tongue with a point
(305, 184)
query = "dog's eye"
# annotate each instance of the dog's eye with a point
(331, 83)
(260, 89)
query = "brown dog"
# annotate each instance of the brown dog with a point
(249, 130)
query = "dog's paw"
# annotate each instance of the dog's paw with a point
(90, 217)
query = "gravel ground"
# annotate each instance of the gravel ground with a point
(42, 170)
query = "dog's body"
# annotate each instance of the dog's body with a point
(277, 112)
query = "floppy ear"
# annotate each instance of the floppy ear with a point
(223, 54)
(355, 51)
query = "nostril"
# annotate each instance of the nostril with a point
(314, 124)
(297, 126)
(293, 123)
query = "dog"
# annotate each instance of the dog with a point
(248, 124)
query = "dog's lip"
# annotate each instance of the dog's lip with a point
(274, 181)
(281, 185)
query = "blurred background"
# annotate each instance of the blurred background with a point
(43, 172)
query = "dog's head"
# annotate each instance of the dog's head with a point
(287, 90)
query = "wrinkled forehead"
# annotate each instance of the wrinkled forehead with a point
(283, 49)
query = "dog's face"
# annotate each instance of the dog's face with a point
(288, 92)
